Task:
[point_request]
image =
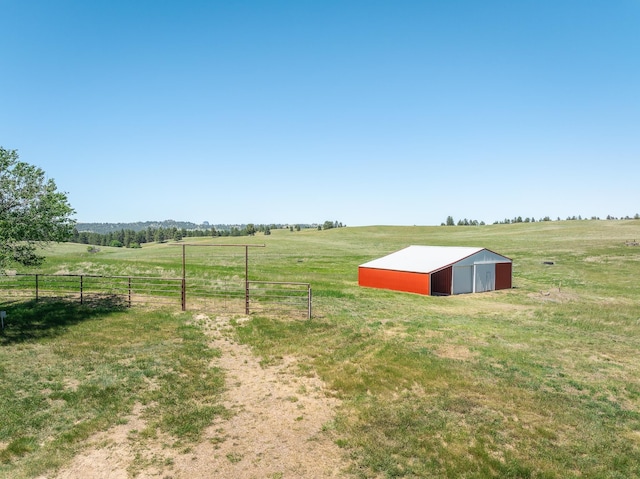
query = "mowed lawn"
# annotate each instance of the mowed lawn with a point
(538, 381)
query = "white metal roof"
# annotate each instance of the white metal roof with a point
(423, 259)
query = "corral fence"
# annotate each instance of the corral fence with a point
(219, 295)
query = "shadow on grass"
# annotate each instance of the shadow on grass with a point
(44, 318)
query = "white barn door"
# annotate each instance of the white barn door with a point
(462, 279)
(485, 277)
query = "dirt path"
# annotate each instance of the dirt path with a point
(276, 431)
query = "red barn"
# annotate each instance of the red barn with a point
(438, 270)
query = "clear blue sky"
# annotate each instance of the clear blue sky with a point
(366, 112)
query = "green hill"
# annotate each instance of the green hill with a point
(540, 381)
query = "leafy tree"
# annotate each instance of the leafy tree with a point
(32, 211)
(141, 237)
(450, 221)
(160, 235)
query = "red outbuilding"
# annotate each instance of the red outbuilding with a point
(438, 270)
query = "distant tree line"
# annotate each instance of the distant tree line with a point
(104, 228)
(465, 222)
(131, 238)
(327, 225)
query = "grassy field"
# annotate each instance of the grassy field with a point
(538, 381)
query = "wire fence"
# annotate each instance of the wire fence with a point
(230, 296)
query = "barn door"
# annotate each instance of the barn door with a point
(485, 277)
(462, 279)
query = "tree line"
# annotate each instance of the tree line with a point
(518, 219)
(130, 238)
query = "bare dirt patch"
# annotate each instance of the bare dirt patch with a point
(450, 351)
(280, 428)
(110, 453)
(554, 296)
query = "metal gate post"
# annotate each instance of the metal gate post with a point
(246, 280)
(184, 278)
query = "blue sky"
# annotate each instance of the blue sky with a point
(366, 112)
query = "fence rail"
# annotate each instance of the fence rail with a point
(216, 294)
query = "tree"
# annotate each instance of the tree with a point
(160, 236)
(327, 225)
(32, 211)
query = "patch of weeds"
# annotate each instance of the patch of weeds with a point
(18, 448)
(234, 458)
(217, 440)
(267, 361)
(329, 426)
(342, 443)
(306, 370)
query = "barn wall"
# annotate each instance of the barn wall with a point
(503, 275)
(394, 280)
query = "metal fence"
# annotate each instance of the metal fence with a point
(219, 295)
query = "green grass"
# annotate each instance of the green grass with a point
(69, 371)
(540, 381)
